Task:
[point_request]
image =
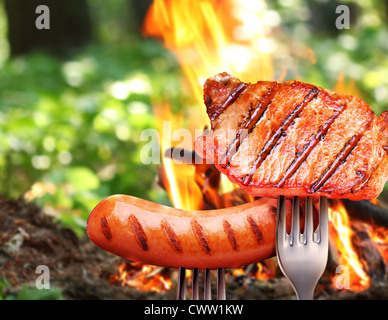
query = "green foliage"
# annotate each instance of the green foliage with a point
(4, 283)
(26, 293)
(74, 125)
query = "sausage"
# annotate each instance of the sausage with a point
(140, 230)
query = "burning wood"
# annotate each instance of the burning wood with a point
(208, 179)
(143, 277)
(367, 212)
(372, 261)
(354, 246)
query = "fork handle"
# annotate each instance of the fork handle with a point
(305, 294)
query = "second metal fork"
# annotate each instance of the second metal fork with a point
(181, 290)
(302, 257)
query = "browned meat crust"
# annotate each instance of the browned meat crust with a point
(293, 138)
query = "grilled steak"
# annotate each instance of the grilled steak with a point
(294, 139)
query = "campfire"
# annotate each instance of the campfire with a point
(212, 36)
(358, 253)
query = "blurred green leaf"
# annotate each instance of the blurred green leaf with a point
(74, 222)
(3, 284)
(82, 179)
(39, 294)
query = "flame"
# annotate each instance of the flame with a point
(341, 234)
(347, 86)
(136, 275)
(208, 37)
(238, 272)
(263, 273)
(180, 186)
(211, 36)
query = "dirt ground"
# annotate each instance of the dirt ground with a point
(29, 238)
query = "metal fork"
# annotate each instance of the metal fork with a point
(302, 257)
(181, 290)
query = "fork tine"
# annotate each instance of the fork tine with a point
(281, 235)
(303, 265)
(221, 294)
(309, 221)
(295, 226)
(207, 294)
(323, 230)
(194, 285)
(181, 290)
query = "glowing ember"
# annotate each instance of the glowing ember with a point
(261, 272)
(238, 272)
(141, 277)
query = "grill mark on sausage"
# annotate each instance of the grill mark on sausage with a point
(137, 229)
(248, 124)
(232, 97)
(230, 234)
(255, 229)
(105, 228)
(340, 159)
(272, 142)
(171, 236)
(198, 231)
(308, 147)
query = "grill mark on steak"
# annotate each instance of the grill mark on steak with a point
(171, 236)
(272, 142)
(357, 186)
(340, 159)
(308, 147)
(232, 97)
(105, 228)
(255, 229)
(249, 123)
(231, 236)
(137, 229)
(198, 231)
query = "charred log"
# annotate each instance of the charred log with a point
(367, 212)
(368, 253)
